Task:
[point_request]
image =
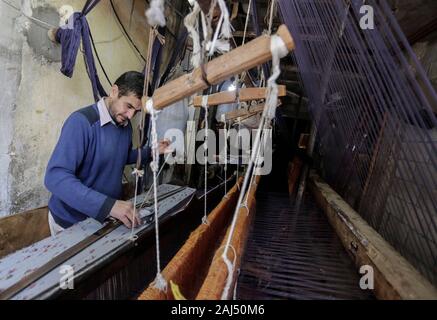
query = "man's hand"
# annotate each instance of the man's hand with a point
(123, 211)
(163, 147)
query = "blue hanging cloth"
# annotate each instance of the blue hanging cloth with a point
(69, 36)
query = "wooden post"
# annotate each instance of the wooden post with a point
(394, 276)
(240, 59)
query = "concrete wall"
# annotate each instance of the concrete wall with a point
(36, 98)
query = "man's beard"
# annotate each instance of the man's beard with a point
(114, 118)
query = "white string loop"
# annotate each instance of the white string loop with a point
(278, 50)
(160, 282)
(205, 106)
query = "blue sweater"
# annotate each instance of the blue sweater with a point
(84, 173)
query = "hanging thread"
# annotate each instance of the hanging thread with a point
(278, 50)
(223, 118)
(190, 23)
(137, 173)
(205, 106)
(160, 282)
(220, 41)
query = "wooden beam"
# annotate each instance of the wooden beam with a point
(394, 276)
(245, 94)
(240, 59)
(243, 113)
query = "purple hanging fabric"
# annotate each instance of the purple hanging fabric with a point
(374, 109)
(69, 36)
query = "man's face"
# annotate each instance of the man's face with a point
(125, 107)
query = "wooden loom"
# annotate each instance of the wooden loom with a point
(215, 71)
(240, 59)
(198, 273)
(199, 277)
(198, 268)
(185, 267)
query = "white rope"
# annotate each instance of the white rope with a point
(222, 32)
(230, 265)
(247, 21)
(244, 204)
(190, 23)
(159, 172)
(238, 147)
(160, 282)
(279, 50)
(155, 13)
(205, 146)
(272, 9)
(137, 173)
(226, 152)
(206, 26)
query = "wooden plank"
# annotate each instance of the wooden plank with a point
(23, 229)
(245, 94)
(394, 276)
(57, 260)
(46, 253)
(240, 59)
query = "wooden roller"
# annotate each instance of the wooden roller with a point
(240, 59)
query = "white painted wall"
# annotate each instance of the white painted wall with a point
(36, 98)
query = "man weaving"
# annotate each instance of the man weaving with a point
(84, 173)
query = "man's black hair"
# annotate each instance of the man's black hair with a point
(130, 82)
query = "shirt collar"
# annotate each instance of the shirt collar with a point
(105, 117)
